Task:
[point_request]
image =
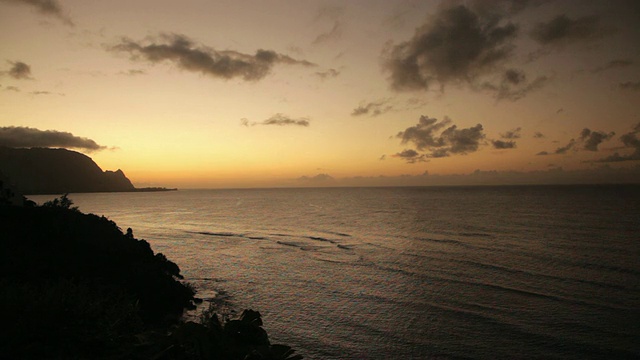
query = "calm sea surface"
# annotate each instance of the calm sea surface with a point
(411, 273)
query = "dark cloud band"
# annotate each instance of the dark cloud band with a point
(20, 70)
(279, 120)
(630, 85)
(45, 7)
(440, 139)
(185, 54)
(588, 140)
(592, 139)
(373, 108)
(410, 156)
(562, 29)
(501, 144)
(20, 137)
(630, 141)
(456, 45)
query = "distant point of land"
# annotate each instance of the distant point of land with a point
(152, 189)
(44, 171)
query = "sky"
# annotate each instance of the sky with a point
(225, 94)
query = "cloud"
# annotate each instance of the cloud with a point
(185, 54)
(456, 46)
(410, 156)
(498, 8)
(15, 136)
(132, 72)
(613, 64)
(45, 7)
(561, 150)
(564, 149)
(511, 134)
(514, 85)
(19, 70)
(630, 85)
(514, 76)
(501, 144)
(317, 180)
(563, 30)
(441, 139)
(424, 134)
(416, 103)
(373, 108)
(11, 88)
(334, 34)
(594, 175)
(44, 92)
(592, 139)
(279, 120)
(616, 157)
(331, 73)
(329, 12)
(630, 141)
(538, 135)
(588, 139)
(282, 120)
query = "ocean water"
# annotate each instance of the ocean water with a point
(412, 273)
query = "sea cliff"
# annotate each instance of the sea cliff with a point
(59, 171)
(74, 285)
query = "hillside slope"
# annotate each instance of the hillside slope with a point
(57, 171)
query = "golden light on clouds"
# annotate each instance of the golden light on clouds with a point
(225, 94)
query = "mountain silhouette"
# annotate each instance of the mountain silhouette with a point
(57, 171)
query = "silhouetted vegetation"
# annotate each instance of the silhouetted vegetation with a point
(73, 286)
(62, 202)
(242, 338)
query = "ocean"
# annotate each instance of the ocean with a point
(520, 272)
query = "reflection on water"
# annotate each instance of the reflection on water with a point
(377, 273)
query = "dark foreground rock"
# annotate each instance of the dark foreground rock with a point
(72, 283)
(74, 286)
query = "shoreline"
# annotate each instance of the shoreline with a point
(108, 294)
(136, 190)
(152, 189)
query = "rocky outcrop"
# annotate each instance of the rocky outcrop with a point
(58, 171)
(74, 286)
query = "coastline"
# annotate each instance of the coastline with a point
(136, 190)
(153, 189)
(75, 285)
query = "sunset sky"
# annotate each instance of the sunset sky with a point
(204, 93)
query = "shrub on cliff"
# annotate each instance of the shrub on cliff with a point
(73, 286)
(58, 242)
(236, 339)
(73, 282)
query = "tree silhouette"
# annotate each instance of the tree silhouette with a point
(63, 202)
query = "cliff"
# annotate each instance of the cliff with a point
(57, 171)
(74, 286)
